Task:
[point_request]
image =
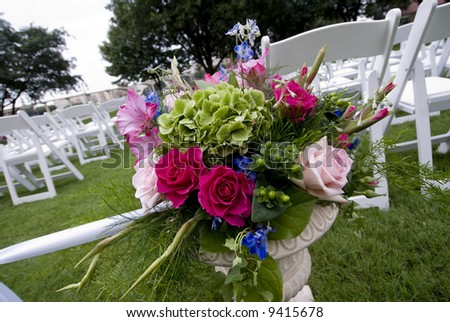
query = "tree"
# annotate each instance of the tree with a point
(377, 9)
(32, 64)
(148, 33)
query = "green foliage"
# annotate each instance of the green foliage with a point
(295, 218)
(32, 64)
(250, 278)
(377, 9)
(221, 117)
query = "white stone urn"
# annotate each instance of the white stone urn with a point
(291, 255)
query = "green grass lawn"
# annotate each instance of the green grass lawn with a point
(399, 255)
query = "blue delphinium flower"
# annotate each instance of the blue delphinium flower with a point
(223, 72)
(257, 242)
(243, 51)
(338, 113)
(353, 144)
(235, 30)
(152, 97)
(253, 31)
(242, 165)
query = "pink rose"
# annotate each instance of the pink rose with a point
(144, 181)
(325, 171)
(227, 194)
(178, 174)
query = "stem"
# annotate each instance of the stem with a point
(86, 277)
(184, 231)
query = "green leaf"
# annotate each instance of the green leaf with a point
(234, 275)
(270, 279)
(212, 241)
(221, 113)
(294, 219)
(240, 135)
(232, 80)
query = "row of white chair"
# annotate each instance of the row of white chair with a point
(360, 42)
(48, 141)
(88, 127)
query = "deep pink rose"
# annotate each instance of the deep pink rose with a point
(227, 194)
(178, 174)
(325, 171)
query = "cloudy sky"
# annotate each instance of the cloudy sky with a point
(87, 23)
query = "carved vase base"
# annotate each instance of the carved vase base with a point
(291, 255)
(305, 295)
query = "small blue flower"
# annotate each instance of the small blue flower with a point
(152, 97)
(234, 31)
(257, 242)
(254, 31)
(243, 51)
(217, 222)
(353, 144)
(242, 163)
(223, 71)
(338, 113)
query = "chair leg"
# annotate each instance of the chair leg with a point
(10, 183)
(423, 128)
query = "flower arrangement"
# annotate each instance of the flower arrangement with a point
(244, 156)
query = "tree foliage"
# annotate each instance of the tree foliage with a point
(32, 64)
(148, 33)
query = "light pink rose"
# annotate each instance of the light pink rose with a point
(325, 170)
(144, 181)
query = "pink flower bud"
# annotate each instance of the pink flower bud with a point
(349, 112)
(381, 114)
(389, 87)
(304, 71)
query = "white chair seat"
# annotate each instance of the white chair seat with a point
(342, 83)
(438, 88)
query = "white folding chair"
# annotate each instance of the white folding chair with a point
(417, 94)
(112, 105)
(344, 41)
(12, 162)
(431, 55)
(53, 144)
(444, 58)
(368, 39)
(87, 130)
(107, 107)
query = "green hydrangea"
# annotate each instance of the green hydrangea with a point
(222, 118)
